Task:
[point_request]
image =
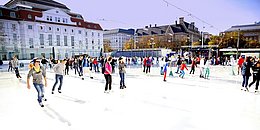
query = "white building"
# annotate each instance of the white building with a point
(118, 37)
(34, 28)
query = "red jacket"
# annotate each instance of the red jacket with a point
(183, 66)
(240, 61)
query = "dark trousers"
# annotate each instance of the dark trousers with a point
(245, 81)
(60, 78)
(192, 70)
(80, 71)
(144, 68)
(108, 78)
(77, 70)
(67, 70)
(122, 79)
(256, 78)
(148, 68)
(10, 67)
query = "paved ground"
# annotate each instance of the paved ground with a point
(148, 103)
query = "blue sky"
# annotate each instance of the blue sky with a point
(222, 14)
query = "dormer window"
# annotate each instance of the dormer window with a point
(57, 11)
(48, 18)
(29, 16)
(12, 15)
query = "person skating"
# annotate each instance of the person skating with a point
(202, 67)
(59, 72)
(245, 71)
(182, 67)
(256, 75)
(122, 72)
(166, 64)
(16, 69)
(10, 65)
(179, 62)
(193, 65)
(108, 76)
(38, 73)
(148, 65)
(206, 69)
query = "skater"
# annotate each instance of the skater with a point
(166, 64)
(16, 69)
(206, 68)
(67, 67)
(245, 71)
(148, 65)
(86, 66)
(18, 76)
(122, 72)
(162, 63)
(179, 62)
(37, 72)
(256, 75)
(144, 63)
(233, 64)
(182, 67)
(59, 72)
(202, 67)
(193, 65)
(108, 76)
(239, 63)
(10, 65)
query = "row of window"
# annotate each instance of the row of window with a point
(58, 39)
(65, 30)
(57, 19)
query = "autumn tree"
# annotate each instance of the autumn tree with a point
(106, 46)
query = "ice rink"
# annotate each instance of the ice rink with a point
(148, 103)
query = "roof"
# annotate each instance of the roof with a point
(119, 30)
(44, 2)
(249, 27)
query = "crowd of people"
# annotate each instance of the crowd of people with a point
(84, 66)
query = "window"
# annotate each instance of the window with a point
(93, 47)
(58, 29)
(41, 27)
(79, 31)
(92, 42)
(29, 16)
(32, 55)
(72, 30)
(98, 47)
(92, 34)
(31, 43)
(65, 30)
(41, 39)
(86, 33)
(86, 40)
(80, 44)
(57, 11)
(15, 37)
(13, 27)
(48, 18)
(63, 20)
(58, 19)
(50, 28)
(12, 15)
(65, 41)
(98, 41)
(87, 47)
(30, 27)
(50, 39)
(66, 20)
(98, 34)
(58, 40)
(72, 40)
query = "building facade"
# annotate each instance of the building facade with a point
(36, 28)
(118, 37)
(171, 36)
(250, 31)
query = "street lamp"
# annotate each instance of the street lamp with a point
(237, 43)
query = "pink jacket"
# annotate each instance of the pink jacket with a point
(108, 67)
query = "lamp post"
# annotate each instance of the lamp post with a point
(237, 43)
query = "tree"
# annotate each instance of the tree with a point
(107, 47)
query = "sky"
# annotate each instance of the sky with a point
(220, 14)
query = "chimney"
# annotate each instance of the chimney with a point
(192, 23)
(150, 25)
(181, 20)
(146, 26)
(176, 22)
(155, 25)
